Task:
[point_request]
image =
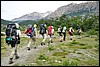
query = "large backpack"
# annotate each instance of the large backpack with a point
(42, 29)
(11, 34)
(50, 30)
(31, 30)
(64, 29)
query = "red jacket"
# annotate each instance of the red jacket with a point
(28, 30)
(49, 30)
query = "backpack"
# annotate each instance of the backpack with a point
(64, 29)
(61, 29)
(42, 29)
(50, 30)
(31, 32)
(11, 34)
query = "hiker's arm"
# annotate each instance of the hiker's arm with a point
(26, 31)
(19, 32)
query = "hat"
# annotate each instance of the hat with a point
(30, 25)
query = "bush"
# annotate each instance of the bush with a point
(50, 47)
(92, 32)
(70, 63)
(43, 57)
(74, 42)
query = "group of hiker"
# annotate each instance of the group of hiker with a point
(13, 35)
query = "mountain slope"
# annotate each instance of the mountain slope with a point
(71, 9)
(84, 8)
(33, 16)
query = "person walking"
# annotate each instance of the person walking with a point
(64, 33)
(43, 33)
(31, 32)
(71, 32)
(79, 32)
(50, 33)
(13, 35)
(60, 33)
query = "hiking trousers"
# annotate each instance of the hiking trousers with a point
(50, 37)
(44, 37)
(32, 39)
(64, 36)
(14, 51)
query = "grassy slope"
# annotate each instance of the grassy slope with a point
(78, 52)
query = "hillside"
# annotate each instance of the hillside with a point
(74, 9)
(33, 16)
(71, 9)
(77, 52)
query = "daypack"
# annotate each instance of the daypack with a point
(11, 34)
(50, 30)
(60, 30)
(31, 32)
(64, 29)
(42, 29)
(70, 32)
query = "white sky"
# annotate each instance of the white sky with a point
(15, 9)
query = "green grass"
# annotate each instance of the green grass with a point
(70, 63)
(59, 52)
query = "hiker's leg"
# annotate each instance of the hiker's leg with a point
(44, 38)
(51, 38)
(61, 38)
(64, 36)
(34, 40)
(12, 54)
(16, 53)
(30, 40)
(71, 37)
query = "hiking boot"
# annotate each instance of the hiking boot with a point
(51, 41)
(34, 47)
(28, 48)
(60, 40)
(16, 57)
(10, 61)
(70, 38)
(41, 44)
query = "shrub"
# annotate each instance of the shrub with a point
(70, 63)
(74, 42)
(50, 47)
(92, 32)
(43, 57)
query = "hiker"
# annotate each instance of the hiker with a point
(60, 33)
(43, 33)
(71, 32)
(31, 32)
(50, 33)
(64, 33)
(13, 35)
(79, 31)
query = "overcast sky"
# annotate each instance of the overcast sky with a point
(15, 9)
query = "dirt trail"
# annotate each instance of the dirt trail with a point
(24, 54)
